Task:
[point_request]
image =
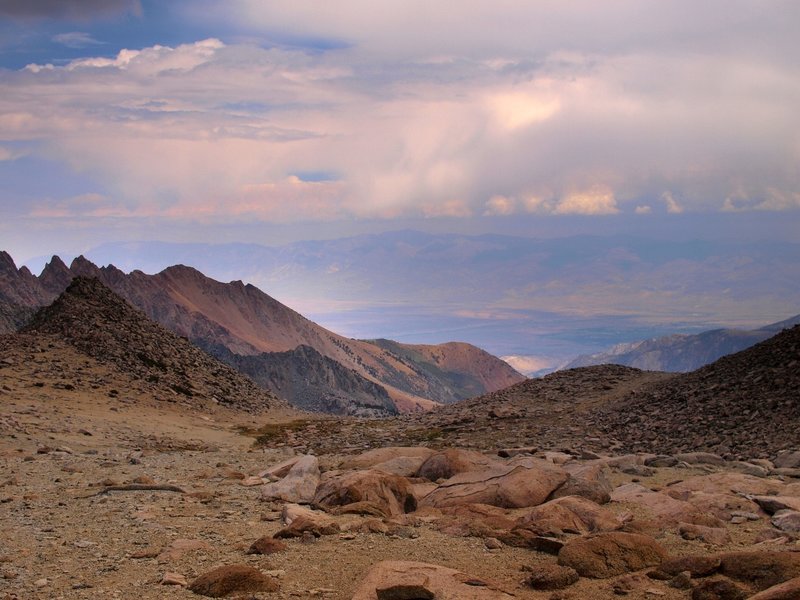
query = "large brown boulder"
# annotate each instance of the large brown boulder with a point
(571, 514)
(395, 580)
(475, 520)
(760, 569)
(608, 554)
(452, 461)
(517, 485)
(230, 579)
(389, 495)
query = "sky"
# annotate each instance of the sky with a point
(244, 120)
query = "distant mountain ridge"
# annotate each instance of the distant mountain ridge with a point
(681, 353)
(246, 322)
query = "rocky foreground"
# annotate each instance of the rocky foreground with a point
(113, 499)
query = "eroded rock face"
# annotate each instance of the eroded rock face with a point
(526, 483)
(223, 581)
(609, 554)
(397, 579)
(376, 491)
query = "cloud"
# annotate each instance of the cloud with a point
(67, 9)
(673, 207)
(643, 210)
(521, 108)
(596, 201)
(76, 39)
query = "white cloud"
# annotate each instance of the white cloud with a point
(538, 115)
(643, 210)
(76, 39)
(596, 201)
(673, 207)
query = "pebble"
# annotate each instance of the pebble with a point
(40, 583)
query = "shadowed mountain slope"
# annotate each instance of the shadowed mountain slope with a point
(100, 324)
(746, 404)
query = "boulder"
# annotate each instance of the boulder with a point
(370, 458)
(447, 463)
(395, 580)
(391, 495)
(697, 565)
(721, 506)
(298, 520)
(665, 510)
(549, 576)
(266, 545)
(299, 483)
(608, 554)
(787, 521)
(760, 569)
(586, 480)
(788, 590)
(788, 460)
(481, 520)
(222, 581)
(571, 514)
(516, 485)
(279, 470)
(772, 504)
(716, 536)
(405, 466)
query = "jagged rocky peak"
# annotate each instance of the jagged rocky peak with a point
(6, 262)
(82, 266)
(55, 276)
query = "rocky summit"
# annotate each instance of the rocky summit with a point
(99, 324)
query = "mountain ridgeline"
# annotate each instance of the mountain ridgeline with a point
(304, 363)
(681, 353)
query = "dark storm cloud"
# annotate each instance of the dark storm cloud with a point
(66, 9)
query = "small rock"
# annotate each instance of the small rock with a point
(174, 579)
(492, 543)
(549, 576)
(40, 583)
(266, 545)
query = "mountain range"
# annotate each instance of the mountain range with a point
(544, 300)
(303, 362)
(682, 353)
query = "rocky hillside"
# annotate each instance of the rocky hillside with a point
(311, 381)
(744, 404)
(248, 322)
(682, 353)
(98, 323)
